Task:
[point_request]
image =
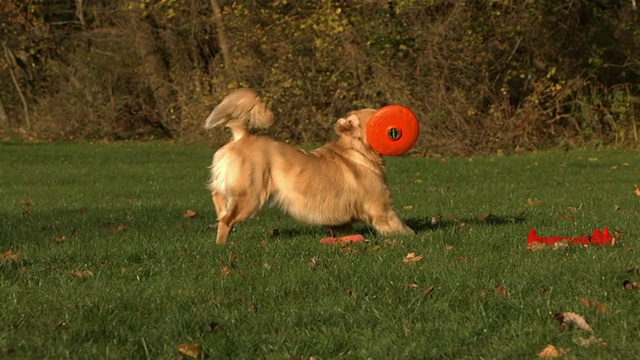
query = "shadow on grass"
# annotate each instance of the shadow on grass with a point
(425, 224)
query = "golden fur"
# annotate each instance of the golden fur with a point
(337, 184)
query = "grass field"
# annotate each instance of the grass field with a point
(98, 261)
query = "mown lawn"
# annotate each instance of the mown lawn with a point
(98, 260)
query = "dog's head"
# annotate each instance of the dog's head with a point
(354, 126)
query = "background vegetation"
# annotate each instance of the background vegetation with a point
(482, 76)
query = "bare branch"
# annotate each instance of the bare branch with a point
(10, 62)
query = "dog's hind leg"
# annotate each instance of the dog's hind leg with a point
(220, 203)
(235, 211)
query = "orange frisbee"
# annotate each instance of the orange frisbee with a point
(392, 130)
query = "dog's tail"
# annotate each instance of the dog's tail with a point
(240, 111)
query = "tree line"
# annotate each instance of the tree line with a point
(482, 76)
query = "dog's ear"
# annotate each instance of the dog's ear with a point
(348, 126)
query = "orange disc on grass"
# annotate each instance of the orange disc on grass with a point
(392, 130)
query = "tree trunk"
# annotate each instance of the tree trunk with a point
(80, 13)
(222, 35)
(9, 57)
(4, 119)
(156, 73)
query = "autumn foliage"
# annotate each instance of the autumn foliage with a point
(481, 76)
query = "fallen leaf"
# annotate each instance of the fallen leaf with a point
(448, 247)
(534, 202)
(254, 307)
(428, 291)
(408, 207)
(9, 255)
(484, 217)
(313, 262)
(570, 320)
(82, 273)
(637, 190)
(551, 352)
(591, 340)
(630, 285)
(596, 305)
(412, 258)
(501, 290)
(411, 286)
(346, 249)
(224, 271)
(60, 239)
(273, 232)
(120, 228)
(634, 270)
(213, 326)
(190, 214)
(191, 350)
(26, 202)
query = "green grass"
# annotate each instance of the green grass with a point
(160, 281)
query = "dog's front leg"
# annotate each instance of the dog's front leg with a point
(389, 223)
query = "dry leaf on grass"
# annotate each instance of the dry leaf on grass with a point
(9, 255)
(224, 271)
(313, 262)
(551, 352)
(534, 202)
(596, 305)
(189, 214)
(570, 320)
(637, 190)
(630, 285)
(213, 326)
(120, 228)
(60, 239)
(428, 291)
(484, 217)
(273, 232)
(501, 290)
(591, 340)
(191, 350)
(412, 258)
(82, 273)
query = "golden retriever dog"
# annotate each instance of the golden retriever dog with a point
(336, 185)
